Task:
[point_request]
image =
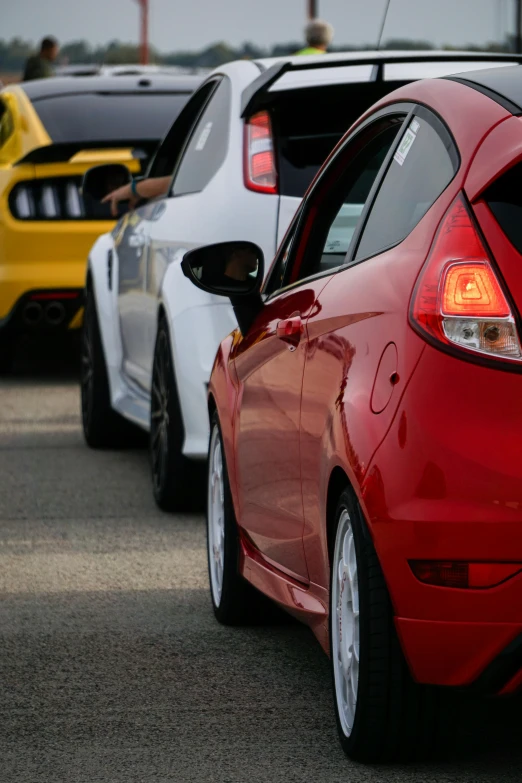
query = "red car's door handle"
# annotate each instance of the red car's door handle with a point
(290, 330)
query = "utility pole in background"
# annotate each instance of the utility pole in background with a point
(518, 28)
(144, 31)
(312, 9)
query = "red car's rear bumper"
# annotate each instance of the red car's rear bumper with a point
(446, 485)
(487, 656)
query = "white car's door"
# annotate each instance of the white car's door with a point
(131, 245)
(139, 270)
(191, 210)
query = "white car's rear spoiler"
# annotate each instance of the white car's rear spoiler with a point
(363, 67)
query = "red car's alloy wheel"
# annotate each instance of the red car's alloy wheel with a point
(381, 713)
(216, 516)
(345, 625)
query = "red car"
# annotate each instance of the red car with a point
(365, 464)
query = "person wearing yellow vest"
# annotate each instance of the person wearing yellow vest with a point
(319, 36)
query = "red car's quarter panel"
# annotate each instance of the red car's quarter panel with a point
(362, 310)
(446, 484)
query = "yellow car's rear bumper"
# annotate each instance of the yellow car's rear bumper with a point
(41, 257)
(36, 256)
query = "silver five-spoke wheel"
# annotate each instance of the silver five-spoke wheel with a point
(345, 624)
(216, 516)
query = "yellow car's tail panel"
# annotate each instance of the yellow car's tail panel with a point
(38, 254)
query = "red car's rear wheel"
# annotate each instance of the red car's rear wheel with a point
(381, 713)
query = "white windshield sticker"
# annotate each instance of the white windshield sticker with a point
(407, 142)
(203, 138)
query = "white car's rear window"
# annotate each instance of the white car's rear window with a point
(309, 122)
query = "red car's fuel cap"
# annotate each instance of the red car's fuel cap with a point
(386, 378)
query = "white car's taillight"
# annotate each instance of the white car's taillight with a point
(458, 298)
(260, 171)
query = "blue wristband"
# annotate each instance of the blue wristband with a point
(134, 189)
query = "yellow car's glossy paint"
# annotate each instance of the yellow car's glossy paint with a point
(42, 254)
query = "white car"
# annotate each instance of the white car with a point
(241, 155)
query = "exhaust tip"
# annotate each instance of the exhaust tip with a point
(32, 313)
(55, 313)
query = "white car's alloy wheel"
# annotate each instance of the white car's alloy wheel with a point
(216, 516)
(345, 623)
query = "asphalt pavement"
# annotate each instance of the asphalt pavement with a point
(112, 668)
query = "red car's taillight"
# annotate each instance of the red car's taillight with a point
(260, 172)
(458, 299)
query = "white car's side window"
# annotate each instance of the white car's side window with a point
(173, 144)
(208, 144)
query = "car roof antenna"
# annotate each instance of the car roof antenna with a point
(386, 9)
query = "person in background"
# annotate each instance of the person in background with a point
(39, 66)
(319, 36)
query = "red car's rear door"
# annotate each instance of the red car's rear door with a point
(269, 364)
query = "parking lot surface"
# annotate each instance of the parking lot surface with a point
(112, 667)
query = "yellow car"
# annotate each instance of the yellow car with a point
(51, 132)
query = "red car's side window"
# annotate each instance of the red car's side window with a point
(420, 170)
(330, 219)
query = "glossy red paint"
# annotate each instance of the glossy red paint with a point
(472, 645)
(435, 457)
(386, 378)
(267, 429)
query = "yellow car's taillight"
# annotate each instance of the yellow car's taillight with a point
(56, 198)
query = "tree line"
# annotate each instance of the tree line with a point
(14, 53)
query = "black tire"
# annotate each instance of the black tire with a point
(238, 603)
(103, 428)
(394, 718)
(175, 479)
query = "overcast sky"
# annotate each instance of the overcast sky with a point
(193, 24)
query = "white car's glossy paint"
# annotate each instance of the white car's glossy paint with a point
(147, 246)
(160, 233)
